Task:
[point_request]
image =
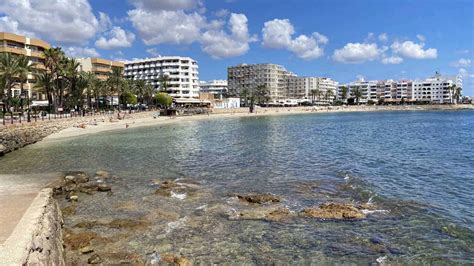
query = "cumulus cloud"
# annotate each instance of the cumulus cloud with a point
(383, 37)
(356, 53)
(74, 51)
(393, 60)
(153, 52)
(219, 44)
(413, 50)
(164, 26)
(10, 25)
(68, 21)
(182, 22)
(222, 13)
(164, 4)
(278, 34)
(116, 38)
(463, 62)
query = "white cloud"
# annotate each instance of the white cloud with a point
(9, 25)
(413, 50)
(74, 51)
(116, 38)
(420, 37)
(463, 72)
(222, 13)
(164, 4)
(463, 62)
(393, 60)
(219, 44)
(153, 52)
(278, 34)
(104, 21)
(356, 53)
(176, 24)
(164, 26)
(383, 37)
(69, 21)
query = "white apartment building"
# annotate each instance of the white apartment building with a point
(181, 74)
(302, 88)
(431, 90)
(248, 77)
(217, 87)
(436, 89)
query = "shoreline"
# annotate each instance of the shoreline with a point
(71, 132)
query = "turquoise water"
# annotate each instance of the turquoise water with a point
(417, 166)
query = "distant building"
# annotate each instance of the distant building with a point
(33, 49)
(180, 73)
(100, 67)
(436, 89)
(249, 77)
(217, 87)
(227, 103)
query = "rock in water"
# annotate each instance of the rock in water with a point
(259, 198)
(94, 259)
(86, 250)
(74, 198)
(334, 211)
(103, 188)
(174, 260)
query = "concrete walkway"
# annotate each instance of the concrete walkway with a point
(17, 193)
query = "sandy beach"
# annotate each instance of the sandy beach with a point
(237, 113)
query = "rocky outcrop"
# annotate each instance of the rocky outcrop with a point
(333, 210)
(259, 198)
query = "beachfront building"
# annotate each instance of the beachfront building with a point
(436, 89)
(33, 49)
(217, 87)
(102, 68)
(249, 77)
(304, 88)
(175, 74)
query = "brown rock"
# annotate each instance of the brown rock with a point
(174, 260)
(94, 259)
(259, 198)
(128, 224)
(86, 250)
(262, 213)
(78, 240)
(69, 210)
(103, 188)
(103, 174)
(333, 211)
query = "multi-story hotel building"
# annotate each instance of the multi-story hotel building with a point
(217, 87)
(100, 67)
(181, 74)
(302, 88)
(30, 47)
(436, 89)
(249, 77)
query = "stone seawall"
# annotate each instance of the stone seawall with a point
(16, 136)
(37, 239)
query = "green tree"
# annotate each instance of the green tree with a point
(315, 94)
(164, 80)
(115, 82)
(25, 68)
(262, 95)
(9, 71)
(357, 93)
(344, 91)
(164, 99)
(329, 95)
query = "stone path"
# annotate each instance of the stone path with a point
(17, 193)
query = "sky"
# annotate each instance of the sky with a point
(341, 39)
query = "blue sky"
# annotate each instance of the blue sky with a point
(340, 39)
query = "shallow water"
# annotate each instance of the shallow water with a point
(417, 166)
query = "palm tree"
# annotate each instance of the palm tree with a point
(45, 83)
(73, 77)
(115, 82)
(9, 71)
(24, 69)
(458, 93)
(139, 88)
(315, 94)
(329, 94)
(262, 94)
(54, 62)
(148, 93)
(344, 91)
(357, 93)
(164, 79)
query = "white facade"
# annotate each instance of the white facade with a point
(436, 89)
(181, 73)
(227, 103)
(217, 87)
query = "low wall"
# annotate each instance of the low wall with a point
(16, 136)
(37, 238)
